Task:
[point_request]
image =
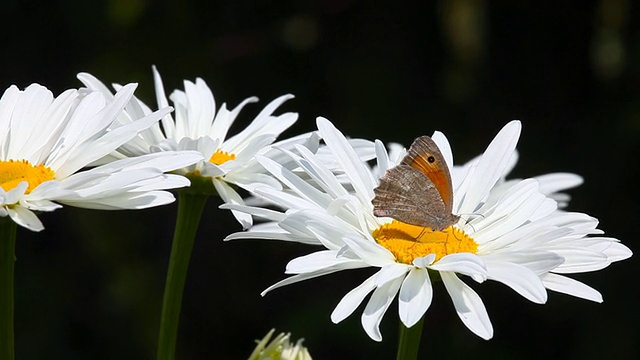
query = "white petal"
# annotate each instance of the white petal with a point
(354, 168)
(25, 218)
(267, 214)
(264, 123)
(228, 195)
(372, 253)
(578, 260)
(208, 169)
(246, 150)
(322, 260)
(39, 205)
(249, 181)
(297, 221)
(7, 103)
(123, 201)
(14, 195)
(514, 208)
(168, 125)
(295, 183)
(309, 140)
(554, 182)
(91, 151)
(283, 152)
(391, 272)
(491, 166)
(352, 300)
(204, 144)
(298, 278)
(94, 84)
(202, 107)
(225, 118)
(524, 281)
(424, 261)
(617, 252)
(27, 112)
(94, 184)
(571, 287)
(364, 149)
(43, 139)
(319, 172)
(445, 148)
(383, 157)
(164, 161)
(468, 305)
(377, 306)
(415, 296)
(272, 236)
(538, 261)
(463, 263)
(330, 233)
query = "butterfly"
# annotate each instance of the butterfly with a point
(418, 191)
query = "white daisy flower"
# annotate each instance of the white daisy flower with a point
(514, 236)
(198, 125)
(279, 347)
(46, 141)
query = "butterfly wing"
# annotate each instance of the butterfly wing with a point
(397, 197)
(425, 156)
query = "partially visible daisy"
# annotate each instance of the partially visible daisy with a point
(280, 348)
(515, 235)
(198, 124)
(45, 142)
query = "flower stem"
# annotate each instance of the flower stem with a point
(190, 208)
(7, 261)
(409, 341)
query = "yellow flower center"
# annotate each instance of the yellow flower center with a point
(408, 242)
(220, 157)
(13, 173)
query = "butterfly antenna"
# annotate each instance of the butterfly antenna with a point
(468, 220)
(417, 238)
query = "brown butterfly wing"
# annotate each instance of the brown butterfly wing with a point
(425, 156)
(405, 194)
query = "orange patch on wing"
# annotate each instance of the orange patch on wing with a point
(435, 174)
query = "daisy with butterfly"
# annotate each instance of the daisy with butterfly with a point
(518, 237)
(418, 191)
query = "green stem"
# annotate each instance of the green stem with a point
(7, 261)
(409, 341)
(190, 208)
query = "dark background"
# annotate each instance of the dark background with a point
(90, 285)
